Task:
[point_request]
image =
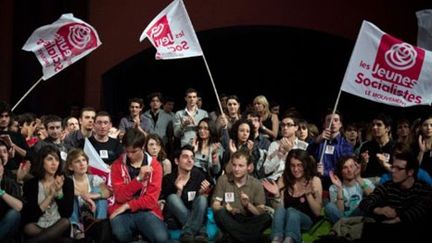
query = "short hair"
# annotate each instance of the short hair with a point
(5, 107)
(330, 112)
(134, 138)
(87, 108)
(190, 90)
(137, 100)
(411, 161)
(384, 118)
(185, 147)
(155, 94)
(73, 155)
(103, 113)
(39, 170)
(52, 118)
(242, 153)
(341, 163)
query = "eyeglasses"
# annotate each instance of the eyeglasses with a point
(398, 168)
(287, 124)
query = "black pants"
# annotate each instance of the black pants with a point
(242, 228)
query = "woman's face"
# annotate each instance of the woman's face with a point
(427, 128)
(79, 165)
(233, 106)
(203, 130)
(296, 167)
(243, 132)
(302, 132)
(51, 163)
(153, 147)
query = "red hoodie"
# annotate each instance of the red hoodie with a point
(124, 188)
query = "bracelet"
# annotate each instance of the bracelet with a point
(2, 192)
(364, 185)
(101, 194)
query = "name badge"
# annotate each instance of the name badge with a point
(329, 149)
(191, 195)
(63, 155)
(103, 154)
(229, 197)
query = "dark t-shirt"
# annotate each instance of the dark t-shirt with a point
(108, 151)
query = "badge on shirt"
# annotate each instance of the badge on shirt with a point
(103, 154)
(329, 149)
(63, 155)
(229, 197)
(191, 195)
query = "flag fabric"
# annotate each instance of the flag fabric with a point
(62, 43)
(172, 33)
(96, 165)
(387, 70)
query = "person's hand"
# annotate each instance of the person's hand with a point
(271, 186)
(180, 182)
(119, 210)
(145, 172)
(250, 145)
(58, 183)
(244, 199)
(232, 146)
(90, 202)
(387, 211)
(335, 179)
(320, 168)
(285, 145)
(215, 153)
(232, 210)
(23, 170)
(422, 144)
(204, 187)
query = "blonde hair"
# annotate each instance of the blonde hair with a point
(261, 99)
(73, 155)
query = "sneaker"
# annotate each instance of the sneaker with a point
(77, 233)
(277, 239)
(201, 238)
(187, 237)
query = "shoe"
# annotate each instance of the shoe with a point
(288, 240)
(187, 237)
(77, 233)
(277, 239)
(201, 238)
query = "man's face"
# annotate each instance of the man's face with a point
(169, 106)
(403, 130)
(336, 123)
(399, 171)
(379, 129)
(54, 130)
(255, 122)
(4, 120)
(155, 103)
(191, 99)
(349, 169)
(72, 124)
(87, 120)
(102, 125)
(135, 109)
(185, 161)
(239, 167)
(4, 154)
(288, 127)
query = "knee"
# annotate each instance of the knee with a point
(202, 201)
(292, 213)
(13, 216)
(173, 199)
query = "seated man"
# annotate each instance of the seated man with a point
(185, 192)
(136, 182)
(238, 202)
(402, 206)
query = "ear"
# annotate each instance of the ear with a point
(176, 161)
(410, 172)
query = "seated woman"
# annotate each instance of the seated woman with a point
(346, 195)
(90, 201)
(48, 200)
(297, 197)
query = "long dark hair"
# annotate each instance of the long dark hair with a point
(213, 134)
(309, 167)
(39, 170)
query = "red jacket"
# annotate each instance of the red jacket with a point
(124, 188)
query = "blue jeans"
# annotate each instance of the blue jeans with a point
(125, 226)
(9, 224)
(101, 210)
(290, 222)
(193, 221)
(334, 214)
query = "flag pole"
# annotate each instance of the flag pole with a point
(213, 84)
(330, 124)
(28, 92)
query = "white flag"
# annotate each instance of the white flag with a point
(62, 43)
(387, 70)
(172, 33)
(96, 165)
